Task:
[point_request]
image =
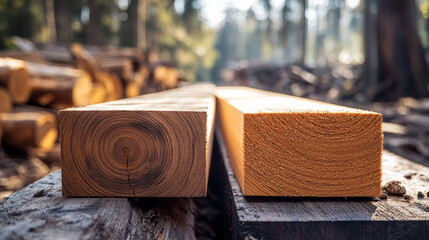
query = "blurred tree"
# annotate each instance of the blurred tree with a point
(94, 33)
(190, 46)
(303, 33)
(402, 67)
(268, 9)
(143, 7)
(50, 20)
(190, 16)
(333, 18)
(226, 43)
(128, 26)
(23, 18)
(253, 33)
(285, 22)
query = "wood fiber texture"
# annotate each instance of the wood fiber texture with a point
(281, 145)
(155, 145)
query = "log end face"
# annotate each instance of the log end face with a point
(132, 154)
(5, 101)
(82, 90)
(46, 131)
(132, 89)
(20, 85)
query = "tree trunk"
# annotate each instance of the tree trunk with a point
(303, 33)
(64, 22)
(50, 20)
(142, 15)
(370, 41)
(94, 34)
(403, 67)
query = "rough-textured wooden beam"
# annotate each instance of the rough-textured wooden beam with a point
(27, 127)
(156, 145)
(14, 76)
(281, 145)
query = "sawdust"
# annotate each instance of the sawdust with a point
(394, 188)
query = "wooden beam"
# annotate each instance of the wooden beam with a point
(281, 145)
(329, 218)
(38, 211)
(14, 76)
(155, 145)
(26, 127)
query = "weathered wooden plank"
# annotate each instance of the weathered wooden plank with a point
(282, 145)
(156, 145)
(329, 218)
(38, 211)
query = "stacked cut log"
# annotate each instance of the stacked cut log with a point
(110, 82)
(5, 100)
(59, 86)
(35, 85)
(139, 72)
(14, 76)
(26, 127)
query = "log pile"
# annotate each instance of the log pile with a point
(321, 83)
(406, 130)
(35, 85)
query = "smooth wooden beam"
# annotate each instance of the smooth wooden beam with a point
(155, 145)
(281, 145)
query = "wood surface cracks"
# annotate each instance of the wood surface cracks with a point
(126, 150)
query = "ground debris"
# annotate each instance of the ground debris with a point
(408, 176)
(394, 188)
(420, 195)
(40, 193)
(408, 197)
